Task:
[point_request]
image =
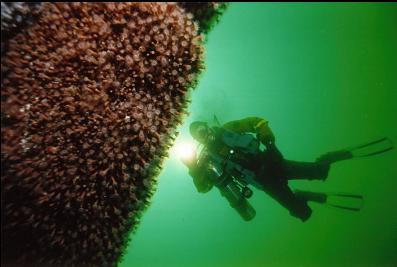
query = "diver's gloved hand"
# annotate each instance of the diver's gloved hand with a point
(265, 135)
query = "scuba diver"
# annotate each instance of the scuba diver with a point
(231, 159)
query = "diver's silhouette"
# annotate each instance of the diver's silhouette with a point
(231, 159)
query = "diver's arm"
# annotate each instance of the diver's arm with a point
(256, 125)
(198, 172)
(203, 185)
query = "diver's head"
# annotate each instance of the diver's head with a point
(199, 131)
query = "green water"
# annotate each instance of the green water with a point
(325, 76)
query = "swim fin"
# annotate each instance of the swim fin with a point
(350, 202)
(375, 147)
(365, 150)
(345, 201)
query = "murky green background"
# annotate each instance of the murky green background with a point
(325, 76)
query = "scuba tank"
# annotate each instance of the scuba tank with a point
(229, 187)
(236, 198)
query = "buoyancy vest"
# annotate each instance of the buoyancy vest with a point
(240, 143)
(243, 142)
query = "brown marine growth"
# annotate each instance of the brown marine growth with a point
(16, 16)
(91, 95)
(206, 14)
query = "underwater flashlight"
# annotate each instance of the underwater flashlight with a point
(185, 150)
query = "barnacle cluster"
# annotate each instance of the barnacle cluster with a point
(91, 95)
(206, 14)
(15, 16)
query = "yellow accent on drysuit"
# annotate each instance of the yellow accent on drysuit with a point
(252, 125)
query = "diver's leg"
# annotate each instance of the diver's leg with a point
(311, 196)
(335, 156)
(296, 205)
(272, 163)
(306, 170)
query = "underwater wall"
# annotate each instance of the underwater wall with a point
(91, 95)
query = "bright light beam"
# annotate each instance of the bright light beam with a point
(184, 150)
